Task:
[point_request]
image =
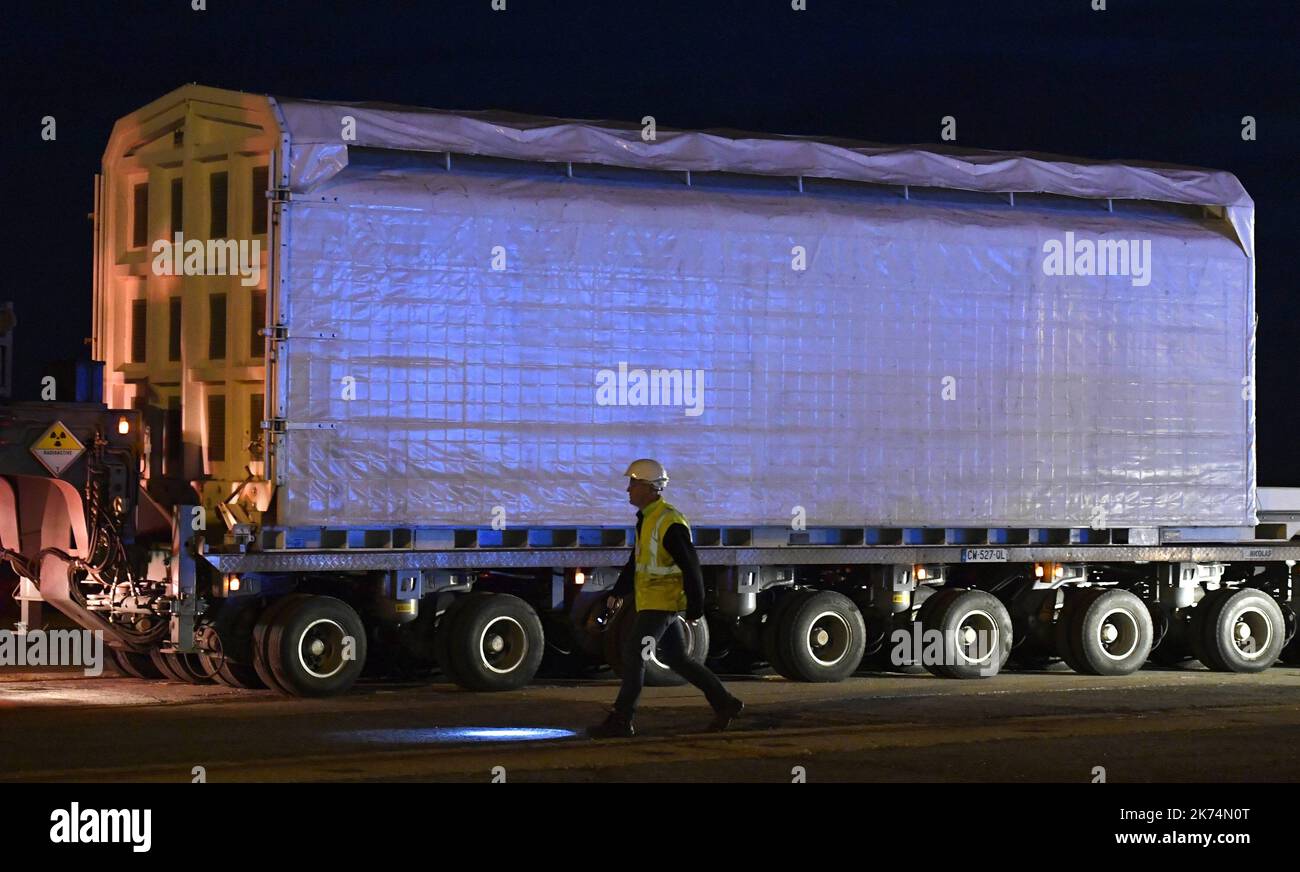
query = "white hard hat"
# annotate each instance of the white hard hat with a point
(652, 472)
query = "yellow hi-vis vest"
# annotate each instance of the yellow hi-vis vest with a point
(658, 578)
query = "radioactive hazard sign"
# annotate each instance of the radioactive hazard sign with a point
(58, 448)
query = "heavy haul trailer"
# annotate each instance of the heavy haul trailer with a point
(1001, 399)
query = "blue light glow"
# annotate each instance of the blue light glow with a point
(454, 734)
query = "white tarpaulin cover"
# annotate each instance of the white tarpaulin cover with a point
(921, 370)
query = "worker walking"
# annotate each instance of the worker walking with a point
(664, 572)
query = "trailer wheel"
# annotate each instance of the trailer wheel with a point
(821, 637)
(1064, 636)
(229, 658)
(317, 646)
(444, 633)
(231, 674)
(135, 665)
(773, 650)
(657, 673)
(164, 665)
(184, 668)
(262, 632)
(225, 671)
(883, 628)
(1291, 652)
(496, 643)
(1196, 625)
(1110, 633)
(1240, 630)
(875, 652)
(976, 631)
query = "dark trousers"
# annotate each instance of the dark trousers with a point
(665, 628)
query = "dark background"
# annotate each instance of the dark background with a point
(1159, 80)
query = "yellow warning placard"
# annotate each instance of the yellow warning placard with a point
(58, 448)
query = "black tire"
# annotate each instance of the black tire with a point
(226, 672)
(1064, 634)
(1111, 633)
(239, 675)
(261, 634)
(771, 633)
(984, 617)
(443, 634)
(135, 665)
(936, 601)
(884, 659)
(496, 643)
(230, 638)
(875, 650)
(1230, 613)
(1196, 633)
(1291, 653)
(184, 668)
(308, 646)
(821, 637)
(657, 673)
(164, 665)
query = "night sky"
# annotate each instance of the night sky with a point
(1157, 80)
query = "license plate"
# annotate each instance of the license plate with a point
(984, 555)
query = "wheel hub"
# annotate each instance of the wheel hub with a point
(1252, 633)
(977, 637)
(1119, 634)
(503, 645)
(320, 648)
(829, 638)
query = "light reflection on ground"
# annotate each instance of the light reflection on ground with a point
(453, 734)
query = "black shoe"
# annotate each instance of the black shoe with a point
(615, 726)
(723, 717)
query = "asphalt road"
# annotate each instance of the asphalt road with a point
(1158, 725)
